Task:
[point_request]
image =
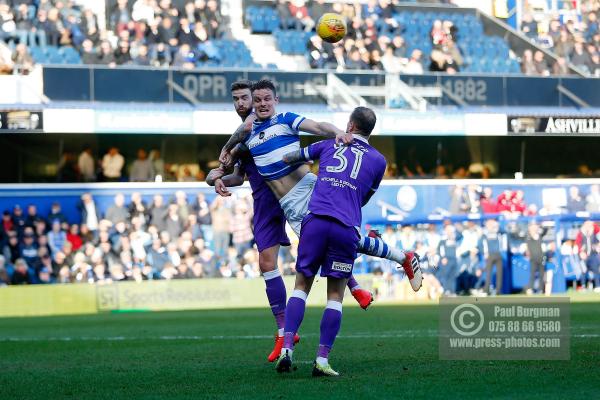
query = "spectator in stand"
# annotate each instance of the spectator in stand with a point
(202, 210)
(86, 165)
(593, 199)
(160, 56)
(142, 58)
(375, 61)
(142, 169)
(448, 269)
(300, 15)
(32, 218)
(19, 219)
(527, 63)
(529, 27)
(437, 34)
(74, 238)
(319, 53)
(588, 243)
(158, 213)
(517, 203)
(56, 238)
(112, 164)
(56, 214)
(220, 215)
(494, 244)
(143, 10)
(580, 57)
(117, 212)
(504, 201)
(184, 58)
(541, 67)
(318, 8)
(595, 64)
(241, 228)
(575, 202)
(536, 257)
(216, 23)
(355, 61)
(106, 55)
(67, 168)
(89, 26)
(391, 63)
(120, 15)
(22, 60)
(138, 209)
(6, 63)
(564, 46)
(414, 65)
(21, 274)
(88, 53)
(122, 55)
(488, 204)
(28, 250)
(561, 67)
(174, 222)
(89, 213)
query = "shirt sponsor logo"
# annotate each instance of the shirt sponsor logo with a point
(342, 267)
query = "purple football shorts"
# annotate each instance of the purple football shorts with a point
(328, 244)
(269, 223)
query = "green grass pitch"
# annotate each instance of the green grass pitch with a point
(384, 353)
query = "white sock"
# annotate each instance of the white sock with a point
(322, 361)
(355, 288)
(280, 332)
(397, 255)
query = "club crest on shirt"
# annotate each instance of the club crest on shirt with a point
(261, 135)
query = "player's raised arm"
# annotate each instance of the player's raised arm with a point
(221, 181)
(305, 154)
(238, 136)
(325, 129)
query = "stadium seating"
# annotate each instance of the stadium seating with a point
(486, 54)
(55, 55)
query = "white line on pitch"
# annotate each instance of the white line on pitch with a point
(428, 334)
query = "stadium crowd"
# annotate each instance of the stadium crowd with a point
(142, 32)
(112, 167)
(158, 33)
(572, 33)
(174, 238)
(374, 40)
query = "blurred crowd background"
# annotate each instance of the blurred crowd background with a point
(190, 34)
(178, 237)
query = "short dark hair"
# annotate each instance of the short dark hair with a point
(264, 84)
(241, 84)
(364, 119)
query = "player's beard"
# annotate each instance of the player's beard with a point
(243, 112)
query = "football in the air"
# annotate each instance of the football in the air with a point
(331, 27)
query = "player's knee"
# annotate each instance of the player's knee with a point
(267, 260)
(267, 265)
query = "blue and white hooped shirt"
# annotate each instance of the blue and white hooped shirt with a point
(270, 140)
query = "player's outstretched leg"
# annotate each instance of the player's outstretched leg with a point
(373, 245)
(293, 318)
(362, 296)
